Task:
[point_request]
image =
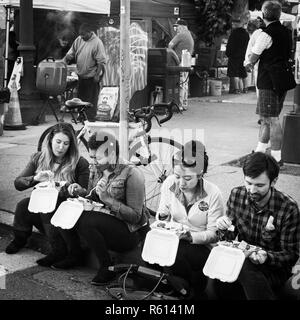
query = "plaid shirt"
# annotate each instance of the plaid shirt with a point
(283, 243)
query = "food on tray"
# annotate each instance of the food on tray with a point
(242, 245)
(97, 206)
(169, 225)
(88, 204)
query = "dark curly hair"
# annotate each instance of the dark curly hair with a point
(259, 162)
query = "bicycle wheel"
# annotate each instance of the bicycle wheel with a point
(156, 167)
(42, 138)
(82, 139)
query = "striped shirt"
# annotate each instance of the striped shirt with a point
(283, 243)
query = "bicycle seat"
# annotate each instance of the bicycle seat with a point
(76, 102)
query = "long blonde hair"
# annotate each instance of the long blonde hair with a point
(66, 169)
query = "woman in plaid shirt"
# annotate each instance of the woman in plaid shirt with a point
(267, 218)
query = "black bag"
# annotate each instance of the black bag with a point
(142, 285)
(282, 77)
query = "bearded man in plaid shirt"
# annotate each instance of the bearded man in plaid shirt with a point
(267, 218)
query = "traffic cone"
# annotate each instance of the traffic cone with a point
(12, 118)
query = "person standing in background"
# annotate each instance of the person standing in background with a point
(89, 54)
(183, 39)
(272, 48)
(261, 25)
(13, 53)
(235, 51)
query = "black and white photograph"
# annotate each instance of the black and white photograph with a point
(150, 154)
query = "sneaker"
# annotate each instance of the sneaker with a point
(13, 247)
(245, 90)
(103, 277)
(68, 262)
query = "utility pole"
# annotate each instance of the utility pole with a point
(124, 76)
(297, 66)
(290, 151)
(30, 100)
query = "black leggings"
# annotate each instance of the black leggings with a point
(189, 263)
(24, 221)
(104, 232)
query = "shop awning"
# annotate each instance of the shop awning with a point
(90, 6)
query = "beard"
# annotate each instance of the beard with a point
(257, 197)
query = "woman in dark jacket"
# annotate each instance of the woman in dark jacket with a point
(59, 161)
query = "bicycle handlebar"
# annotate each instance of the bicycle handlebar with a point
(169, 107)
(147, 113)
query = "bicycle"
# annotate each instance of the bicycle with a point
(152, 154)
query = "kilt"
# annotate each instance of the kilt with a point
(269, 104)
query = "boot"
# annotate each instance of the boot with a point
(75, 255)
(58, 248)
(19, 242)
(103, 277)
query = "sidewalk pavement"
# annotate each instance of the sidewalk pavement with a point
(229, 129)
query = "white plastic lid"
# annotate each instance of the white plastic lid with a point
(67, 214)
(43, 200)
(224, 263)
(160, 247)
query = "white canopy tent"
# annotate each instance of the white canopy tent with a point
(284, 16)
(87, 6)
(91, 6)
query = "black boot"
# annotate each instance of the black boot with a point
(103, 277)
(58, 248)
(19, 242)
(75, 255)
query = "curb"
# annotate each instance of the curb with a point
(211, 100)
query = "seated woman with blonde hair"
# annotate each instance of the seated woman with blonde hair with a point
(194, 202)
(59, 161)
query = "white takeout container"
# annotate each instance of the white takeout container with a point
(43, 200)
(67, 214)
(160, 247)
(224, 263)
